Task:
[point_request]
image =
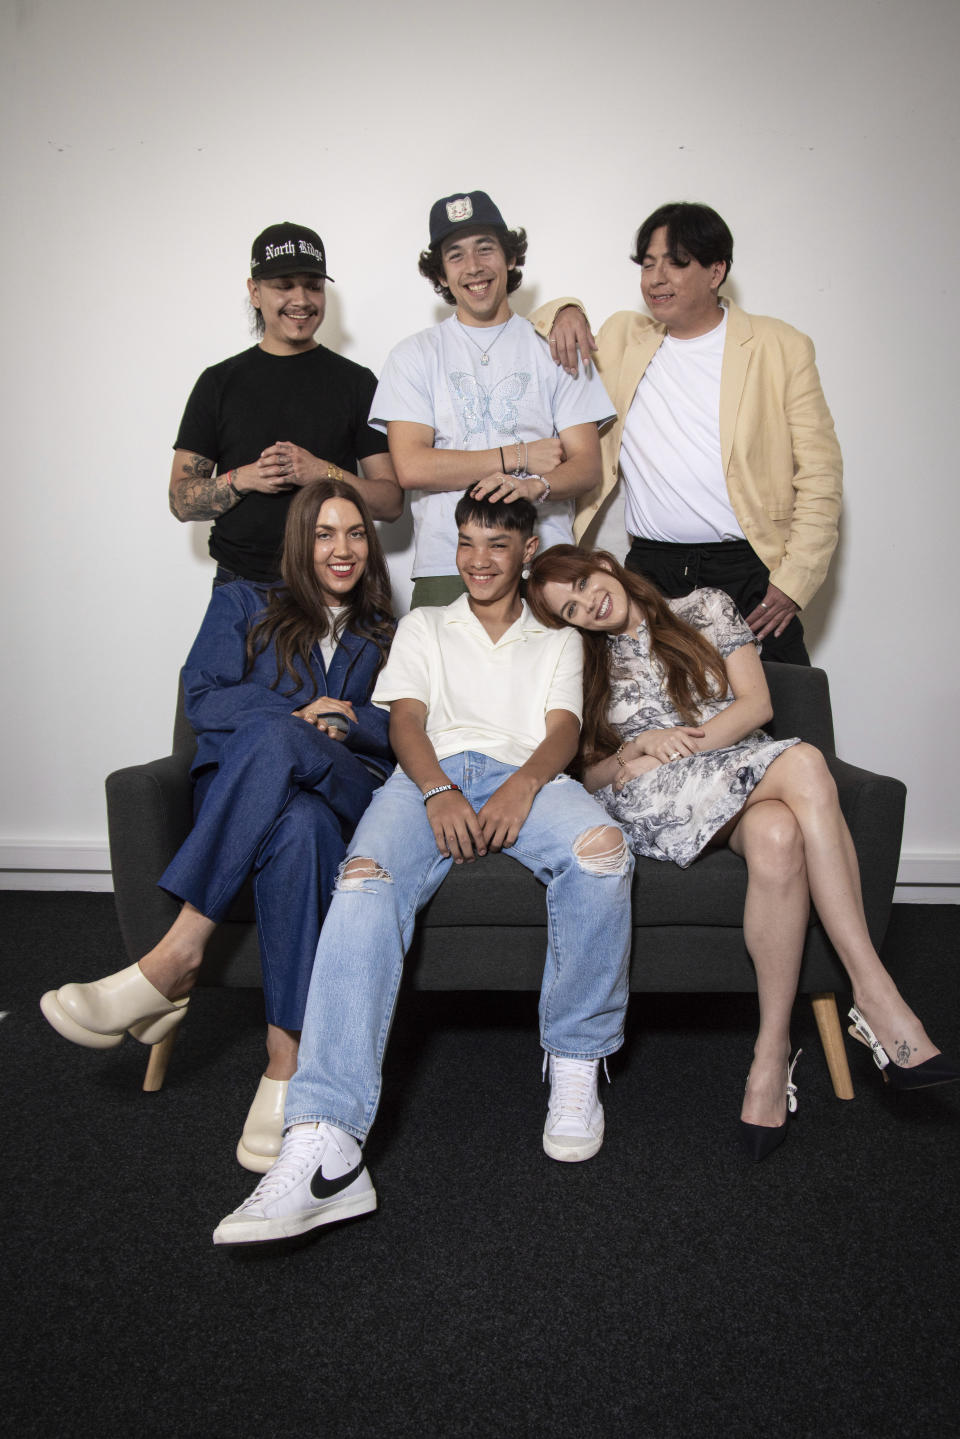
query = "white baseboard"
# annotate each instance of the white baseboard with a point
(928, 877)
(924, 877)
(78, 865)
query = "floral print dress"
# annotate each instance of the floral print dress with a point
(672, 812)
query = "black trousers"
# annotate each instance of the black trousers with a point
(729, 565)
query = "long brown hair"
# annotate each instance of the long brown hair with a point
(296, 614)
(694, 670)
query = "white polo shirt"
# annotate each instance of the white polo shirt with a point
(492, 698)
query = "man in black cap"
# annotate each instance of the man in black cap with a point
(276, 416)
(476, 401)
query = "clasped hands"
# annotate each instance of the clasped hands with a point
(282, 466)
(323, 705)
(466, 833)
(656, 747)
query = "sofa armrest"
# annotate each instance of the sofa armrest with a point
(800, 696)
(149, 815)
(873, 806)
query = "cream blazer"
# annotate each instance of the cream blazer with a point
(778, 445)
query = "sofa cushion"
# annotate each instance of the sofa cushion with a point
(498, 890)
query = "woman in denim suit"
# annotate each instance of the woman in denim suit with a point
(289, 752)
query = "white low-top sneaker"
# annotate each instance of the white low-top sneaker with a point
(319, 1177)
(574, 1127)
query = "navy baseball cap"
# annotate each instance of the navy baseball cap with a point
(471, 212)
(288, 249)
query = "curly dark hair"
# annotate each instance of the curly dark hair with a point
(513, 243)
(296, 615)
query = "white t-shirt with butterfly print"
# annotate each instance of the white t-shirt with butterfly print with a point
(437, 378)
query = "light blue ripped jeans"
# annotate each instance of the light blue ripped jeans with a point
(369, 926)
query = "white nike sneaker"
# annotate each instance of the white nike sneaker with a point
(318, 1178)
(574, 1127)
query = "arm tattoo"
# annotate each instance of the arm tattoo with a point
(195, 494)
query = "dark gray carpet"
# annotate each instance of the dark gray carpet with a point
(667, 1288)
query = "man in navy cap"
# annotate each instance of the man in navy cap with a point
(276, 416)
(476, 401)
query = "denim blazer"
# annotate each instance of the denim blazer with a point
(219, 691)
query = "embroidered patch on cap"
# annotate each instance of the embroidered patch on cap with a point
(459, 209)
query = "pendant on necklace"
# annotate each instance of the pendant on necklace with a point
(484, 358)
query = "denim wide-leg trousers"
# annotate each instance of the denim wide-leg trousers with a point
(279, 806)
(369, 926)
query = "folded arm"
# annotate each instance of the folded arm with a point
(749, 709)
(579, 472)
(217, 692)
(421, 467)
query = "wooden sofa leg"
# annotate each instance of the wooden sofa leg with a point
(159, 1059)
(834, 1049)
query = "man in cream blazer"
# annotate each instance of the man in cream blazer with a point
(723, 438)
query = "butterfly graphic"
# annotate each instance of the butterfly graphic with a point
(497, 404)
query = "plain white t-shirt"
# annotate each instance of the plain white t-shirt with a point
(328, 645)
(670, 451)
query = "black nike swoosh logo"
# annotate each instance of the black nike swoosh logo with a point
(322, 1188)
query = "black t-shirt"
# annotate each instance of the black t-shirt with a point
(238, 408)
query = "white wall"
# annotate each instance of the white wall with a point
(146, 145)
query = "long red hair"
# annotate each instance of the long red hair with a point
(694, 670)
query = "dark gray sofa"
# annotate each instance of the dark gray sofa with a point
(485, 928)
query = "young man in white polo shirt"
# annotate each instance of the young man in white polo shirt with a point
(485, 708)
(478, 397)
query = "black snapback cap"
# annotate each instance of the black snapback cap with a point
(287, 249)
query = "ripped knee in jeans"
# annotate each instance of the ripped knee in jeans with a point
(354, 874)
(602, 849)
